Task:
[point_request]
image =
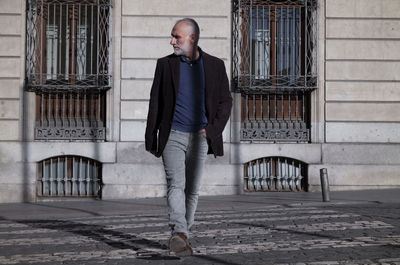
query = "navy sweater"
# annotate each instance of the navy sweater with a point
(190, 113)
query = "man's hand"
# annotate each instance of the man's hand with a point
(203, 132)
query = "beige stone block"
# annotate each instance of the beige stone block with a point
(11, 6)
(18, 173)
(363, 8)
(9, 109)
(10, 67)
(133, 131)
(131, 110)
(363, 91)
(11, 152)
(363, 49)
(365, 175)
(317, 131)
(221, 175)
(135, 152)
(131, 174)
(145, 48)
(102, 152)
(245, 152)
(12, 193)
(184, 8)
(160, 47)
(361, 154)
(10, 25)
(357, 70)
(118, 191)
(136, 89)
(9, 88)
(366, 28)
(219, 190)
(217, 47)
(381, 112)
(340, 132)
(133, 69)
(9, 130)
(10, 46)
(162, 26)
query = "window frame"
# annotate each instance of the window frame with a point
(257, 123)
(38, 16)
(68, 63)
(243, 78)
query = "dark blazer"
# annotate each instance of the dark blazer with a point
(163, 96)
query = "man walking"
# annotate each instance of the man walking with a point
(190, 104)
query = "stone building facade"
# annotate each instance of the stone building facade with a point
(353, 112)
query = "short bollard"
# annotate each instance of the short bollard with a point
(324, 184)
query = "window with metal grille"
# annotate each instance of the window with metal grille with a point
(67, 66)
(69, 176)
(274, 67)
(70, 115)
(275, 174)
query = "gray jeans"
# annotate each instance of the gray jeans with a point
(183, 159)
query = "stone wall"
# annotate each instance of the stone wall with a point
(362, 71)
(11, 67)
(360, 80)
(12, 33)
(145, 28)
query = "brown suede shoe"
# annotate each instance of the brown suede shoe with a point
(179, 244)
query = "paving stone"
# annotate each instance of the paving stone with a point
(227, 231)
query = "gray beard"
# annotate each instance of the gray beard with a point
(178, 52)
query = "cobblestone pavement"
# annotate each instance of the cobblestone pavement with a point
(268, 233)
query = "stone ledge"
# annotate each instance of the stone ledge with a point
(361, 154)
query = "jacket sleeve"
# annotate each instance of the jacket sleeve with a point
(217, 125)
(153, 116)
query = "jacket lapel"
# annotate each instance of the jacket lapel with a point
(208, 72)
(174, 62)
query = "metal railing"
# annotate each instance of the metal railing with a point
(69, 176)
(275, 174)
(70, 116)
(275, 117)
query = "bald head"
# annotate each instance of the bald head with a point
(184, 38)
(191, 26)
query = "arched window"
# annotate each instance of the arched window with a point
(69, 176)
(275, 174)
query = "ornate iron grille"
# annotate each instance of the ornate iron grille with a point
(275, 174)
(275, 117)
(69, 176)
(67, 44)
(274, 67)
(67, 66)
(70, 116)
(274, 45)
